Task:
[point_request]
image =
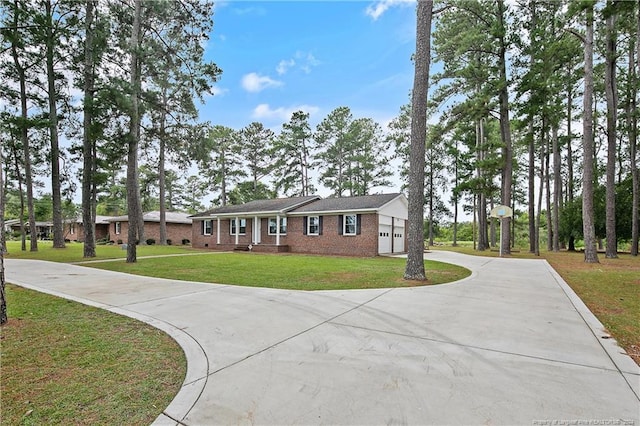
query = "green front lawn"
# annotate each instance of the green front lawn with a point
(73, 251)
(287, 271)
(67, 363)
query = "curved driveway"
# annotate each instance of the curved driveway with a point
(512, 344)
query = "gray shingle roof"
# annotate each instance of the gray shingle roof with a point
(99, 219)
(278, 205)
(171, 217)
(364, 202)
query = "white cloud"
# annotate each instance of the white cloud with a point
(304, 61)
(284, 66)
(308, 60)
(378, 8)
(264, 111)
(255, 83)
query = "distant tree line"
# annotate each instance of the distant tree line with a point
(535, 107)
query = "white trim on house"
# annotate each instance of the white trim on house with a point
(354, 224)
(273, 221)
(315, 225)
(207, 230)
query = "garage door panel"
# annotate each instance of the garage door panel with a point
(384, 239)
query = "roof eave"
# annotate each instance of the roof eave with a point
(334, 212)
(260, 213)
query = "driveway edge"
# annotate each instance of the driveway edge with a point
(619, 357)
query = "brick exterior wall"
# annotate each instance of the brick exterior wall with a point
(329, 243)
(102, 230)
(176, 232)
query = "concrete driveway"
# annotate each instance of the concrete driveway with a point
(512, 344)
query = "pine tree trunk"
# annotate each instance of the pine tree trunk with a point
(540, 190)
(24, 136)
(531, 193)
(612, 105)
(415, 257)
(633, 140)
(161, 173)
(3, 298)
(505, 130)
(431, 197)
(588, 225)
(58, 226)
(547, 193)
(133, 186)
(570, 178)
(557, 188)
(483, 223)
(532, 187)
(88, 218)
(16, 161)
(455, 201)
(483, 229)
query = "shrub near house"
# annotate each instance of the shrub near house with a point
(355, 226)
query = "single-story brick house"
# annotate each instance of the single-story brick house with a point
(74, 229)
(178, 227)
(44, 230)
(368, 225)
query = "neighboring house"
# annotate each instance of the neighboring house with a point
(44, 230)
(10, 223)
(74, 229)
(178, 227)
(354, 226)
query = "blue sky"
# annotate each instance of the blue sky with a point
(278, 57)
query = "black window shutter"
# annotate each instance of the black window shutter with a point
(319, 225)
(358, 220)
(304, 225)
(202, 230)
(340, 219)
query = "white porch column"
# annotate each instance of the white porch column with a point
(237, 229)
(256, 230)
(218, 232)
(278, 230)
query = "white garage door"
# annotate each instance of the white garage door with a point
(384, 239)
(398, 239)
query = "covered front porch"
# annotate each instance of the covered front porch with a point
(256, 233)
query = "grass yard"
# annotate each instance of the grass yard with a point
(74, 251)
(287, 271)
(67, 363)
(611, 289)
